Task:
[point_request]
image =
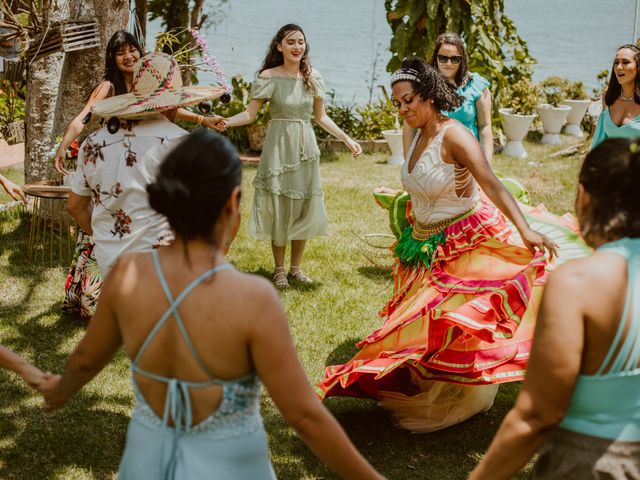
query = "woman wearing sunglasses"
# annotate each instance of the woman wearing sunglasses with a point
(450, 58)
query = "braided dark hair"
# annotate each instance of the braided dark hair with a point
(610, 175)
(614, 89)
(275, 58)
(194, 182)
(431, 85)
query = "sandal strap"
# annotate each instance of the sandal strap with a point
(280, 278)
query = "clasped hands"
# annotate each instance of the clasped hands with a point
(46, 384)
(215, 122)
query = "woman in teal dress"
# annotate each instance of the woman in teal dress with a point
(579, 406)
(201, 337)
(450, 58)
(288, 204)
(620, 117)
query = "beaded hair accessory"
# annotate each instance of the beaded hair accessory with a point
(406, 74)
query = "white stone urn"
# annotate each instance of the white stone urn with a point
(553, 118)
(515, 128)
(578, 110)
(394, 140)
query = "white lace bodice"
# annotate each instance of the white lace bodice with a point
(432, 184)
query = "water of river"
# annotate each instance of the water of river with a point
(349, 39)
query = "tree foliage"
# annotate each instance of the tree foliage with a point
(495, 49)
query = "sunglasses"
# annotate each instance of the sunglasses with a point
(455, 59)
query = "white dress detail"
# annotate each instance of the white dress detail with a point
(433, 184)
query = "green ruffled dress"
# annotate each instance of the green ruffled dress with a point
(288, 203)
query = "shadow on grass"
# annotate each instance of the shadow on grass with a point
(80, 435)
(397, 453)
(377, 274)
(343, 352)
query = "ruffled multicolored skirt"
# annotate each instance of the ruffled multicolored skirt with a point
(462, 315)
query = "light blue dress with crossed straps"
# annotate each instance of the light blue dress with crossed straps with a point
(229, 444)
(607, 405)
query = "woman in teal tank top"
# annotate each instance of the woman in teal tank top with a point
(202, 337)
(450, 58)
(620, 117)
(580, 402)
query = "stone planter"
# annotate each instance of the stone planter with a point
(515, 128)
(256, 134)
(574, 119)
(394, 140)
(553, 118)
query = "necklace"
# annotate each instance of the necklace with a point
(625, 99)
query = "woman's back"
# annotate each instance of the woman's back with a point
(197, 395)
(217, 315)
(606, 399)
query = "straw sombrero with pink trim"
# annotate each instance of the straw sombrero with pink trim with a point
(157, 86)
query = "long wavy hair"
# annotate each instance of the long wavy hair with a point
(275, 58)
(450, 38)
(615, 89)
(117, 41)
(610, 175)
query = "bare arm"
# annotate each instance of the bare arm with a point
(278, 366)
(551, 377)
(14, 362)
(483, 119)
(95, 350)
(80, 209)
(76, 126)
(322, 119)
(464, 149)
(246, 117)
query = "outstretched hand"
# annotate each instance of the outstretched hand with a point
(13, 190)
(538, 242)
(49, 390)
(354, 146)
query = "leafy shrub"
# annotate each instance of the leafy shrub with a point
(521, 97)
(361, 122)
(553, 90)
(576, 91)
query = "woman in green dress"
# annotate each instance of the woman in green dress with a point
(288, 204)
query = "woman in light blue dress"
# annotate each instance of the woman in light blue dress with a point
(620, 117)
(201, 337)
(579, 406)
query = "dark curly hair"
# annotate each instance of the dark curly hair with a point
(431, 85)
(118, 40)
(615, 89)
(274, 57)
(449, 38)
(610, 175)
(194, 182)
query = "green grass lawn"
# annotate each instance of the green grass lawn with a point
(85, 439)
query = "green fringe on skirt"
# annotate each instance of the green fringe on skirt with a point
(415, 252)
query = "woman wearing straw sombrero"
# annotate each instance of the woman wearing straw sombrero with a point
(108, 196)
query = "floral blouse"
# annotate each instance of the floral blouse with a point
(114, 170)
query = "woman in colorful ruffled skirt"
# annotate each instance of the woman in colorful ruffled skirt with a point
(461, 318)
